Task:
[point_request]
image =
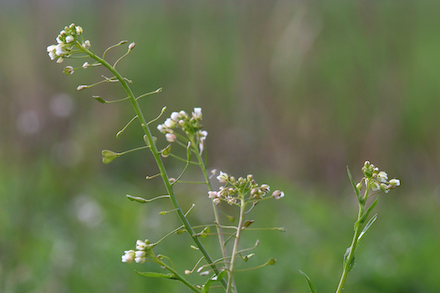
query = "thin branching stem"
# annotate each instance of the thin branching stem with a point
(156, 154)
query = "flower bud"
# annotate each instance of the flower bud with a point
(265, 188)
(69, 39)
(129, 256)
(277, 194)
(395, 182)
(171, 137)
(223, 177)
(68, 70)
(79, 30)
(382, 176)
(169, 123)
(197, 114)
(175, 116)
(212, 194)
(131, 46)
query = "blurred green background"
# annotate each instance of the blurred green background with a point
(291, 91)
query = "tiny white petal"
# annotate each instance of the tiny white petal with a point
(69, 39)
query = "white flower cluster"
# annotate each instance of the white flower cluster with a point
(377, 179)
(66, 40)
(191, 125)
(234, 189)
(139, 256)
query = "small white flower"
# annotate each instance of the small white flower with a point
(85, 65)
(216, 200)
(183, 113)
(161, 128)
(197, 114)
(175, 116)
(69, 39)
(140, 259)
(59, 50)
(51, 48)
(171, 137)
(129, 256)
(375, 186)
(169, 123)
(141, 245)
(212, 194)
(86, 44)
(382, 176)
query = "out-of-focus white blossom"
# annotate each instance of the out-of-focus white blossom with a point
(128, 256)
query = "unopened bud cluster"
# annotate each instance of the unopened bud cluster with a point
(66, 41)
(190, 124)
(237, 189)
(139, 255)
(376, 179)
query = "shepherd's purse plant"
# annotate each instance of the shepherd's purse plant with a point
(185, 130)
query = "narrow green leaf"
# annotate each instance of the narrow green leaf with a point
(370, 222)
(354, 186)
(309, 282)
(367, 212)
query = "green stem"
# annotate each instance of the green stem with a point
(354, 243)
(157, 157)
(214, 207)
(177, 276)
(235, 247)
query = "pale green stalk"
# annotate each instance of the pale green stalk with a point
(214, 207)
(230, 286)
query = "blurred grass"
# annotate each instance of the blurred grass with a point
(291, 91)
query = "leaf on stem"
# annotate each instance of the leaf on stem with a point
(352, 261)
(309, 282)
(360, 199)
(370, 222)
(367, 212)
